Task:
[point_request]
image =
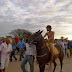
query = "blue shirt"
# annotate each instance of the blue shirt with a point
(14, 47)
(21, 44)
(71, 44)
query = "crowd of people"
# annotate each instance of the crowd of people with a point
(66, 46)
(8, 48)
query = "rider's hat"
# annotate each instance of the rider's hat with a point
(48, 26)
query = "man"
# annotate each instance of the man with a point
(50, 40)
(16, 42)
(13, 52)
(68, 49)
(1, 41)
(10, 40)
(21, 45)
(66, 45)
(70, 45)
(16, 39)
(5, 50)
(62, 46)
(29, 57)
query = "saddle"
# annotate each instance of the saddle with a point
(55, 51)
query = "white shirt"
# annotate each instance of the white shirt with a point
(4, 48)
(66, 43)
(30, 49)
(62, 44)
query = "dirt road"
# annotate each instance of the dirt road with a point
(67, 66)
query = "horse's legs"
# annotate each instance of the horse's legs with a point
(54, 66)
(61, 62)
(42, 68)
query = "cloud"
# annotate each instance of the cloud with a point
(36, 14)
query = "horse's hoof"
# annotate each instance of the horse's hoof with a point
(60, 71)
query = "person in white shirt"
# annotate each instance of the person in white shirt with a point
(5, 50)
(29, 57)
(62, 45)
(66, 45)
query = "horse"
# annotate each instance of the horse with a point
(43, 54)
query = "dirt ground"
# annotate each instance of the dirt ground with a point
(15, 66)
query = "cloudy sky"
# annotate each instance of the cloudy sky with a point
(36, 14)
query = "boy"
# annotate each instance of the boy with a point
(13, 52)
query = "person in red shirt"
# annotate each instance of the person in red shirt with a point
(16, 42)
(16, 39)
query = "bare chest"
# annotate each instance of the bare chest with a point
(49, 35)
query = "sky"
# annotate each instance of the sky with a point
(35, 15)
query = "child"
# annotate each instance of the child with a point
(13, 52)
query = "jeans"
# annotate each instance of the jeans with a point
(30, 59)
(65, 52)
(13, 54)
(21, 54)
(17, 49)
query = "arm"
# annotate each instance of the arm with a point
(18, 44)
(25, 48)
(24, 45)
(45, 35)
(10, 50)
(0, 49)
(0, 58)
(0, 52)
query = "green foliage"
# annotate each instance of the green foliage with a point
(20, 33)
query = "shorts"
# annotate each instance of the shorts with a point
(4, 63)
(51, 44)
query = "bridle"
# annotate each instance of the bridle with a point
(37, 38)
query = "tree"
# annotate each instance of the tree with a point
(66, 38)
(9, 36)
(20, 33)
(62, 37)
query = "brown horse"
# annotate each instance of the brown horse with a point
(43, 54)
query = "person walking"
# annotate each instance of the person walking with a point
(66, 46)
(5, 50)
(21, 46)
(62, 46)
(13, 52)
(29, 57)
(1, 41)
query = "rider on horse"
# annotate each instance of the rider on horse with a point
(50, 41)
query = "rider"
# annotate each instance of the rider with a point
(50, 40)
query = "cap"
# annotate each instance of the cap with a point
(48, 26)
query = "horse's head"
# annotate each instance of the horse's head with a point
(36, 36)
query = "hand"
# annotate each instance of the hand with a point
(8, 52)
(21, 48)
